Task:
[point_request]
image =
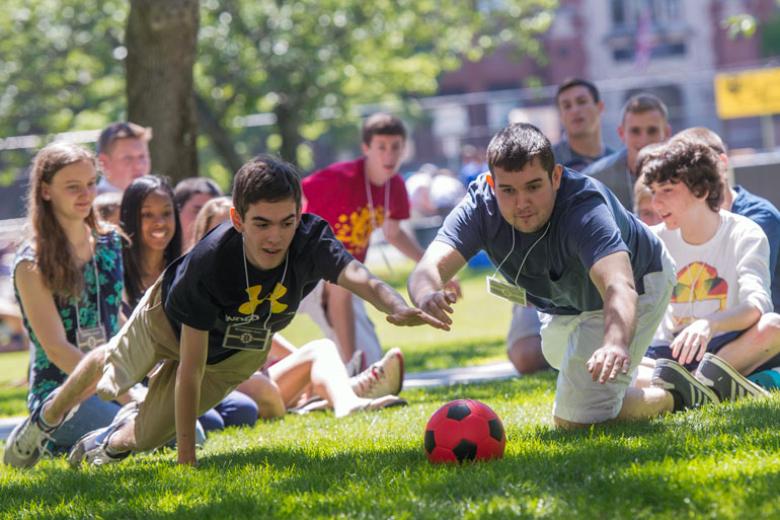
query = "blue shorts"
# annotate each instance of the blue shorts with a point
(715, 344)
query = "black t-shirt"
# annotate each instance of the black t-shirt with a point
(206, 289)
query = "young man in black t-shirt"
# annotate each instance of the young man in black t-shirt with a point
(209, 320)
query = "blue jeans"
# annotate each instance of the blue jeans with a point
(236, 409)
(93, 413)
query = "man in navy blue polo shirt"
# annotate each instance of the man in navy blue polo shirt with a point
(564, 243)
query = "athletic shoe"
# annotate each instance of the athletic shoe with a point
(385, 377)
(92, 448)
(767, 379)
(729, 384)
(672, 376)
(355, 364)
(27, 441)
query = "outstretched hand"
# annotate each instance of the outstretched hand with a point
(438, 305)
(410, 317)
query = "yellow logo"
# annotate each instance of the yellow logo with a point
(354, 230)
(253, 293)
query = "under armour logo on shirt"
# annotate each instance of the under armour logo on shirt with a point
(254, 299)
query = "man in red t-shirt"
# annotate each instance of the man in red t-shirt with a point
(357, 197)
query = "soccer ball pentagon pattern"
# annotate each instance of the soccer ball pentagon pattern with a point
(464, 430)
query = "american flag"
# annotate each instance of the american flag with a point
(644, 39)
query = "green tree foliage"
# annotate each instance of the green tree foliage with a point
(311, 62)
(308, 62)
(60, 70)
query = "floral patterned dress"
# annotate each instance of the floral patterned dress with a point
(44, 375)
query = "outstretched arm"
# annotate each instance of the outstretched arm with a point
(426, 283)
(356, 278)
(614, 279)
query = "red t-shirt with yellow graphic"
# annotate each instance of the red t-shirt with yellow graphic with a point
(340, 195)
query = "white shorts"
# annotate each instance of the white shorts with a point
(569, 341)
(526, 322)
(366, 339)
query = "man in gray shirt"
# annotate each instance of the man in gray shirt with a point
(644, 121)
(580, 108)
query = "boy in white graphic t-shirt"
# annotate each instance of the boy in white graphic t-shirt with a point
(721, 303)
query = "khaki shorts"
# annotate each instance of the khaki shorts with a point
(146, 340)
(569, 341)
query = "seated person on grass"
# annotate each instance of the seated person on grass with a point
(68, 282)
(313, 378)
(721, 302)
(209, 319)
(564, 243)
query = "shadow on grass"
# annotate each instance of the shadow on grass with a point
(625, 470)
(452, 355)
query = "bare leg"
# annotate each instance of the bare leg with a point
(79, 385)
(644, 373)
(755, 347)
(123, 440)
(526, 355)
(317, 363)
(645, 403)
(266, 394)
(638, 404)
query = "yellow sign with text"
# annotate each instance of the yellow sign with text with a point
(748, 94)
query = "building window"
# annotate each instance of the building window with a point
(655, 27)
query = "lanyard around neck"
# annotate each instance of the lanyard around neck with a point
(246, 276)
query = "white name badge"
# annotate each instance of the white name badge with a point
(506, 290)
(246, 336)
(89, 338)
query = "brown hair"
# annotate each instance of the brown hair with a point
(123, 130)
(268, 179)
(642, 103)
(692, 163)
(204, 222)
(702, 135)
(382, 124)
(55, 256)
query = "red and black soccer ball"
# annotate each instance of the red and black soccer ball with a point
(464, 430)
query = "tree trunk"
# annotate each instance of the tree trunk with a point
(220, 139)
(287, 124)
(161, 49)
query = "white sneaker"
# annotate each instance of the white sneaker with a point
(27, 442)
(385, 377)
(355, 365)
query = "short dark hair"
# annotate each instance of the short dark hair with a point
(690, 162)
(382, 124)
(265, 178)
(121, 130)
(578, 82)
(517, 145)
(191, 186)
(641, 103)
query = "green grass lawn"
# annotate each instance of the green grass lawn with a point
(720, 462)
